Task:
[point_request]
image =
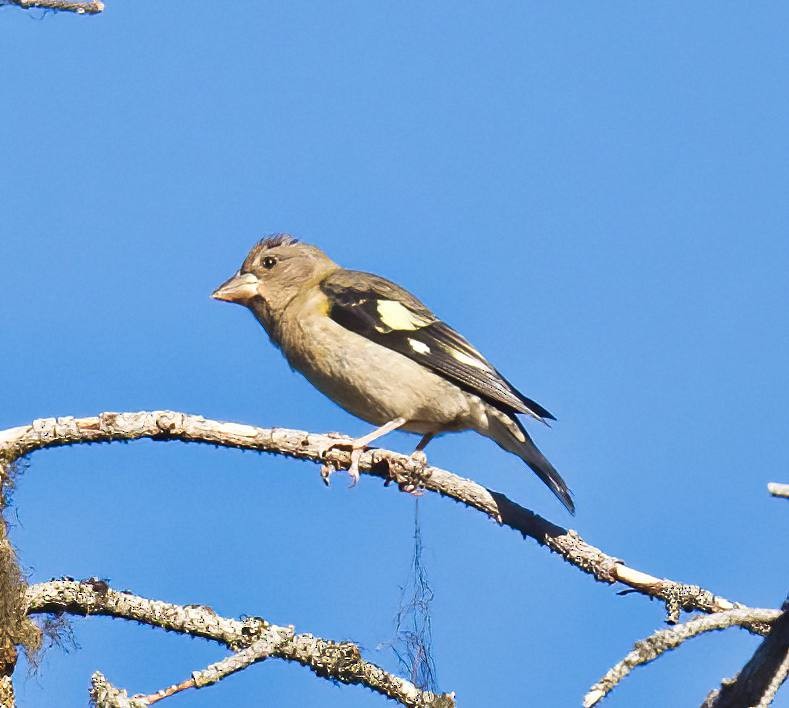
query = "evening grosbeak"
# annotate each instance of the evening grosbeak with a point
(378, 352)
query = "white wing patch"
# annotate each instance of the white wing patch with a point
(398, 317)
(418, 347)
(464, 358)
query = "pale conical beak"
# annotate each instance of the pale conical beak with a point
(240, 288)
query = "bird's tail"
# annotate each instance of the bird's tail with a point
(510, 434)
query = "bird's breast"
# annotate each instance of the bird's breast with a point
(369, 380)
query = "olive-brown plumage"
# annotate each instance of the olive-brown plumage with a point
(377, 351)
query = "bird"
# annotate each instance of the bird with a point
(377, 351)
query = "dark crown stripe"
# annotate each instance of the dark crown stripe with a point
(277, 240)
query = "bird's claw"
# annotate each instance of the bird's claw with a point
(353, 470)
(412, 489)
(329, 468)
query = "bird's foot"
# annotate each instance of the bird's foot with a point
(420, 460)
(335, 440)
(408, 474)
(419, 465)
(329, 468)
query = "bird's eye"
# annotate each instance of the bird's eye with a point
(268, 262)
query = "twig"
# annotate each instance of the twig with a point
(762, 676)
(168, 425)
(257, 651)
(778, 490)
(170, 691)
(337, 661)
(663, 640)
(105, 695)
(80, 8)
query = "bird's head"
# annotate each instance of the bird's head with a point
(275, 271)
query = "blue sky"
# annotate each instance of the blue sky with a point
(596, 195)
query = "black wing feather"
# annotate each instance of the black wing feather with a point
(489, 384)
(355, 301)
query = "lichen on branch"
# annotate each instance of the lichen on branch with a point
(392, 467)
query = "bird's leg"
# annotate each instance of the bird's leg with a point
(359, 444)
(418, 454)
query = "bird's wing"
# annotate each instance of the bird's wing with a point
(387, 314)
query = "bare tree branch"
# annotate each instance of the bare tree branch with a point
(257, 651)
(254, 639)
(762, 676)
(168, 425)
(105, 695)
(778, 490)
(664, 640)
(80, 8)
(777, 681)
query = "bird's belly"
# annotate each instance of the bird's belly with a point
(373, 382)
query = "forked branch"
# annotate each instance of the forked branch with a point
(664, 640)
(762, 676)
(252, 640)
